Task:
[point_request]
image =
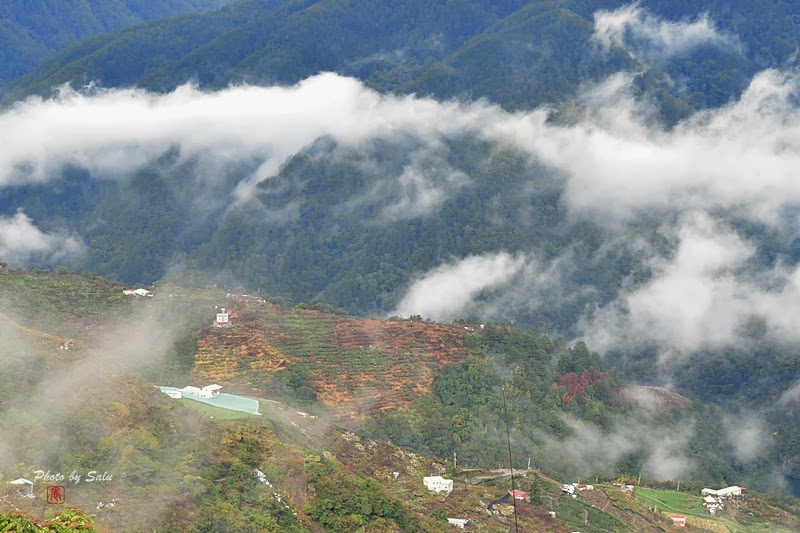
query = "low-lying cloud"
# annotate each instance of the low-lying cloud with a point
(701, 297)
(617, 162)
(663, 449)
(118, 131)
(650, 38)
(446, 291)
(21, 241)
(748, 435)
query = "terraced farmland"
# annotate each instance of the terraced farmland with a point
(356, 365)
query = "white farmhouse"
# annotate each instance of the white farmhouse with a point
(458, 522)
(712, 504)
(438, 484)
(222, 319)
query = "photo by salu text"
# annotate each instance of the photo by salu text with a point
(74, 477)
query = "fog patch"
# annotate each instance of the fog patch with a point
(650, 38)
(748, 434)
(662, 448)
(445, 291)
(21, 242)
(700, 297)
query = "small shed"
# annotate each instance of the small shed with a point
(24, 487)
(222, 319)
(678, 520)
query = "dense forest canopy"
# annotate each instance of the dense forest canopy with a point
(32, 30)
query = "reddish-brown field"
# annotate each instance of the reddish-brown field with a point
(356, 365)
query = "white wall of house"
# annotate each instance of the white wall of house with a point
(438, 484)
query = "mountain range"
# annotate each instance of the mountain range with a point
(613, 175)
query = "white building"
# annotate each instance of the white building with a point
(173, 394)
(712, 504)
(223, 319)
(438, 484)
(458, 522)
(209, 391)
(727, 492)
(142, 292)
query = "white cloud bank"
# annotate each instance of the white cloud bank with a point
(650, 38)
(446, 291)
(589, 449)
(619, 164)
(21, 241)
(701, 297)
(616, 162)
(119, 131)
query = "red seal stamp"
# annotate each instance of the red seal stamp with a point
(56, 494)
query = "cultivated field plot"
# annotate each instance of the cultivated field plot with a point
(583, 515)
(679, 502)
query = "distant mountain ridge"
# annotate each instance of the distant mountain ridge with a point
(31, 30)
(516, 53)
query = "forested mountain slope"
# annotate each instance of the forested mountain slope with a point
(517, 53)
(31, 30)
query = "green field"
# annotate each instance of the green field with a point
(666, 500)
(215, 412)
(54, 295)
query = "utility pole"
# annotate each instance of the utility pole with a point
(510, 462)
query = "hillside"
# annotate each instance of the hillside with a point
(324, 381)
(353, 191)
(30, 31)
